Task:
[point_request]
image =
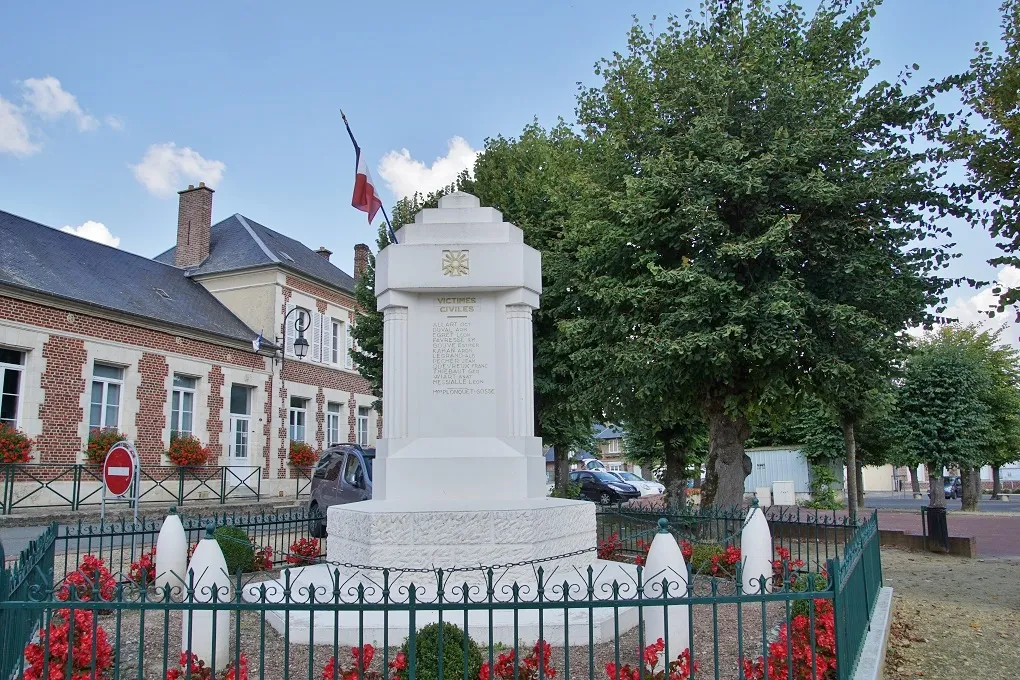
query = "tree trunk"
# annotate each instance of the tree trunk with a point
(860, 484)
(675, 479)
(968, 499)
(915, 482)
(850, 447)
(978, 490)
(561, 467)
(936, 487)
(727, 464)
(996, 483)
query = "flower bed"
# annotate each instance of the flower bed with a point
(89, 649)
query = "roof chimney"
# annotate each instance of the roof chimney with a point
(361, 255)
(194, 221)
(325, 252)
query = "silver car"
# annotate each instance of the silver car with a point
(342, 475)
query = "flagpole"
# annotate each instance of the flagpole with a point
(357, 150)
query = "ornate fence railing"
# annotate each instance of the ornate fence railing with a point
(73, 487)
(528, 620)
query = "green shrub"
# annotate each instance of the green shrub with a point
(237, 548)
(427, 653)
(800, 585)
(701, 557)
(573, 492)
(823, 495)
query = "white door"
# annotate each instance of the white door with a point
(241, 470)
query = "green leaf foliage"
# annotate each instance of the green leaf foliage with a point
(427, 653)
(237, 548)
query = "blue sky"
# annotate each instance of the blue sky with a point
(101, 107)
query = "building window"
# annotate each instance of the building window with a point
(363, 413)
(182, 405)
(107, 383)
(614, 446)
(336, 341)
(332, 423)
(298, 418)
(12, 368)
(240, 420)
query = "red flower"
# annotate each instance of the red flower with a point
(302, 552)
(82, 657)
(302, 455)
(91, 573)
(527, 669)
(186, 450)
(143, 570)
(680, 669)
(199, 671)
(15, 445)
(609, 549)
(361, 669)
(805, 665)
(263, 557)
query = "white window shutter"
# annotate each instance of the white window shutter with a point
(289, 332)
(316, 341)
(348, 360)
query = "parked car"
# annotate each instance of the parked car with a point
(342, 475)
(953, 487)
(646, 487)
(603, 487)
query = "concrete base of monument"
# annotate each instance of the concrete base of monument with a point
(444, 534)
(525, 621)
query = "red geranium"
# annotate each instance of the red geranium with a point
(15, 445)
(783, 566)
(303, 552)
(527, 668)
(820, 665)
(186, 450)
(725, 564)
(91, 573)
(100, 443)
(143, 570)
(302, 455)
(199, 671)
(263, 557)
(362, 660)
(49, 656)
(609, 548)
(679, 669)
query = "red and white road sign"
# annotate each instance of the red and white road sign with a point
(119, 470)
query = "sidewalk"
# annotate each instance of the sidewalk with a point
(997, 535)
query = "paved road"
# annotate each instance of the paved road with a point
(997, 535)
(16, 539)
(909, 503)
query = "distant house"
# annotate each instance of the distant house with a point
(771, 464)
(609, 445)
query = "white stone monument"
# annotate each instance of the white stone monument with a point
(459, 477)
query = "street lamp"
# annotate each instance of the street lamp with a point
(300, 325)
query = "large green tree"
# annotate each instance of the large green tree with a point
(743, 163)
(944, 416)
(990, 139)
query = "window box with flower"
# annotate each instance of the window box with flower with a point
(15, 445)
(100, 442)
(302, 455)
(187, 451)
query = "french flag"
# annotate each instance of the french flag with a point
(365, 197)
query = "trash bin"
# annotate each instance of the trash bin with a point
(937, 530)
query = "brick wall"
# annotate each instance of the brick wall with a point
(150, 419)
(194, 221)
(53, 319)
(267, 428)
(352, 418)
(336, 297)
(320, 418)
(214, 423)
(61, 411)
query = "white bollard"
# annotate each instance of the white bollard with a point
(171, 555)
(666, 561)
(208, 568)
(755, 552)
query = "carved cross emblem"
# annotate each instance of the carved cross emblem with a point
(455, 263)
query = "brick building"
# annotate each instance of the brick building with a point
(95, 337)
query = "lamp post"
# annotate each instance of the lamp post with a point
(300, 343)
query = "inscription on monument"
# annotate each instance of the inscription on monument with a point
(459, 364)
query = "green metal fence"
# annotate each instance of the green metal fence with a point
(530, 620)
(29, 575)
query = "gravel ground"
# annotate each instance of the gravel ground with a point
(270, 658)
(953, 617)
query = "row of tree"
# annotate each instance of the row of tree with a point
(739, 221)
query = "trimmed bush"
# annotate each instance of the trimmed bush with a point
(800, 585)
(237, 548)
(701, 557)
(427, 653)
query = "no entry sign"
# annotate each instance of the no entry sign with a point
(119, 469)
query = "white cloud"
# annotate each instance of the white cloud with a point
(165, 168)
(94, 231)
(47, 98)
(405, 175)
(14, 136)
(114, 122)
(973, 309)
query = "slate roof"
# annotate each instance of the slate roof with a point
(45, 260)
(608, 432)
(242, 243)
